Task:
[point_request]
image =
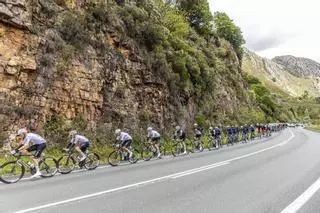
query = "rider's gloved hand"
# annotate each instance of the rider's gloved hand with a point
(15, 151)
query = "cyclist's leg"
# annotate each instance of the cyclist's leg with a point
(78, 149)
(125, 146)
(39, 148)
(156, 143)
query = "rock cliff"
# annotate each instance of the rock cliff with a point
(115, 65)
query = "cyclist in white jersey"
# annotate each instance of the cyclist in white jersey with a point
(154, 137)
(31, 142)
(125, 141)
(80, 143)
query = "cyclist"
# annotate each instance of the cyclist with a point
(251, 130)
(154, 137)
(181, 135)
(216, 134)
(197, 134)
(125, 139)
(31, 142)
(229, 133)
(244, 133)
(235, 134)
(80, 143)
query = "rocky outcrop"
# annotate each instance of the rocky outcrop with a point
(300, 67)
(54, 64)
(16, 13)
(277, 75)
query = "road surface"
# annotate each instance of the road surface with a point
(279, 174)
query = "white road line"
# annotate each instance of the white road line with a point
(303, 198)
(199, 170)
(167, 177)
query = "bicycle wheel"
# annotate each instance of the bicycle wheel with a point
(147, 153)
(11, 172)
(92, 161)
(135, 156)
(200, 147)
(190, 146)
(114, 158)
(211, 145)
(177, 149)
(48, 167)
(66, 164)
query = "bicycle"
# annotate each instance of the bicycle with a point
(214, 143)
(178, 148)
(68, 161)
(13, 171)
(119, 154)
(197, 144)
(149, 151)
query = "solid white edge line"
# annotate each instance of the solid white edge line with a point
(303, 198)
(152, 180)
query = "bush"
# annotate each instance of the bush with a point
(73, 31)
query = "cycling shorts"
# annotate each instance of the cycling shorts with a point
(126, 143)
(84, 147)
(38, 148)
(156, 139)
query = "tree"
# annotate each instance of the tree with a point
(198, 14)
(226, 29)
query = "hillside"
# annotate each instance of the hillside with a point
(300, 67)
(279, 77)
(98, 66)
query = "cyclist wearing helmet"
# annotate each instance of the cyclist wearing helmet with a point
(80, 143)
(31, 142)
(154, 137)
(197, 131)
(125, 141)
(181, 135)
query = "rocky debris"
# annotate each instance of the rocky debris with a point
(15, 12)
(300, 67)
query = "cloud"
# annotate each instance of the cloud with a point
(276, 27)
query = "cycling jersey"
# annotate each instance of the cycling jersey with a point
(180, 134)
(34, 139)
(153, 134)
(234, 130)
(229, 131)
(124, 137)
(198, 131)
(217, 132)
(80, 139)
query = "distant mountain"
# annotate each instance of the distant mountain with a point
(292, 75)
(300, 67)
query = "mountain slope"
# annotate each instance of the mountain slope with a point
(300, 67)
(279, 77)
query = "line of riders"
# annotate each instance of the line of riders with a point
(33, 142)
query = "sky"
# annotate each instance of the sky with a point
(276, 27)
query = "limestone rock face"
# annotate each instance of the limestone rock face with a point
(301, 67)
(16, 13)
(46, 71)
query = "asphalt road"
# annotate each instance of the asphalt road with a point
(263, 176)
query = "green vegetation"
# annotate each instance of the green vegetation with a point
(228, 30)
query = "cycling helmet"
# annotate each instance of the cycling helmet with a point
(73, 132)
(210, 128)
(117, 132)
(22, 131)
(195, 124)
(178, 128)
(149, 129)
